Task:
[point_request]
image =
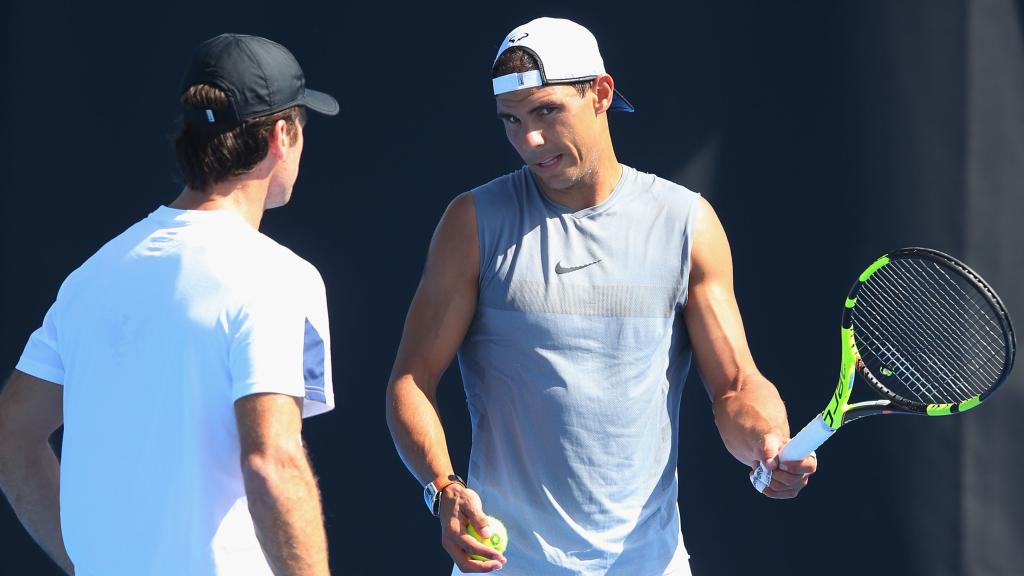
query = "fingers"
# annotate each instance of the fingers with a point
(473, 513)
(790, 477)
(767, 461)
(770, 448)
(459, 507)
(806, 466)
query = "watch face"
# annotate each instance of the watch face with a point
(430, 495)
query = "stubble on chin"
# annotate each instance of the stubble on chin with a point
(577, 176)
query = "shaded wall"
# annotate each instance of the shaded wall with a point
(823, 134)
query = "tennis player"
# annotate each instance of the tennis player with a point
(576, 291)
(182, 356)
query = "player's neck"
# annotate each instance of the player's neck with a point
(246, 197)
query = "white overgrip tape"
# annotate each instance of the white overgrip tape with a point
(799, 447)
(761, 478)
(807, 440)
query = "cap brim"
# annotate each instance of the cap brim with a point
(320, 102)
(620, 104)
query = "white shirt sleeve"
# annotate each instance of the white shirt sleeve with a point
(282, 345)
(41, 357)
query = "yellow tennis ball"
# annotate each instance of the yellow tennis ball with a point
(498, 539)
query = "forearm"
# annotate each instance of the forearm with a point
(285, 505)
(416, 429)
(30, 478)
(748, 412)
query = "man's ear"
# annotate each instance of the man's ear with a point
(604, 90)
(278, 139)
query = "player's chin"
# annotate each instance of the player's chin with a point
(565, 184)
(277, 201)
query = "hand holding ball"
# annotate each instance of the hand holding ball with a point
(498, 539)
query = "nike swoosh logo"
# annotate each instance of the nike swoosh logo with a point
(559, 269)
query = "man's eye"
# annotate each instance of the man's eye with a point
(511, 120)
(547, 110)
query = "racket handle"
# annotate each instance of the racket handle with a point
(807, 440)
(798, 448)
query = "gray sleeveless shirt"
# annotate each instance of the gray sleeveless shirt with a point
(573, 369)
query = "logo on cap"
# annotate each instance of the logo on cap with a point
(517, 38)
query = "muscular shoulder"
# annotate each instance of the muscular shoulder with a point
(503, 184)
(460, 212)
(500, 196)
(710, 255)
(455, 239)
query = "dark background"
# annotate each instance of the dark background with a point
(825, 133)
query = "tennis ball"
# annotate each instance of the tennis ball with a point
(498, 539)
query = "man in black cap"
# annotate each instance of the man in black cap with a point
(182, 357)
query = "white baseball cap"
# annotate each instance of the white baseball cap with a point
(565, 51)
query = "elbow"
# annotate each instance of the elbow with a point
(267, 471)
(9, 443)
(391, 400)
(408, 388)
(9, 434)
(7, 462)
(391, 392)
(392, 409)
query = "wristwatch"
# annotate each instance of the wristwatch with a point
(432, 491)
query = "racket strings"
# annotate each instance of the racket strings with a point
(931, 334)
(932, 329)
(944, 341)
(983, 322)
(965, 332)
(982, 372)
(924, 335)
(983, 319)
(883, 353)
(931, 384)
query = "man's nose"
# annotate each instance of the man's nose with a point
(534, 138)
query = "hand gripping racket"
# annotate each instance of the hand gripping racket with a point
(926, 332)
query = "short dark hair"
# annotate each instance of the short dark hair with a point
(207, 156)
(518, 59)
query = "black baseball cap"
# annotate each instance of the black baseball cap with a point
(259, 76)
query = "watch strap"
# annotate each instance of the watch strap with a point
(433, 489)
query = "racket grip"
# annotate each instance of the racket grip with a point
(799, 447)
(807, 440)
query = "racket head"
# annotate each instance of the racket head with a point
(928, 334)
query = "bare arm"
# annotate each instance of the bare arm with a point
(30, 411)
(280, 486)
(748, 411)
(439, 316)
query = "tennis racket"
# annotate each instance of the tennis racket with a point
(926, 332)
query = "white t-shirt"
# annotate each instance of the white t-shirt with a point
(153, 339)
